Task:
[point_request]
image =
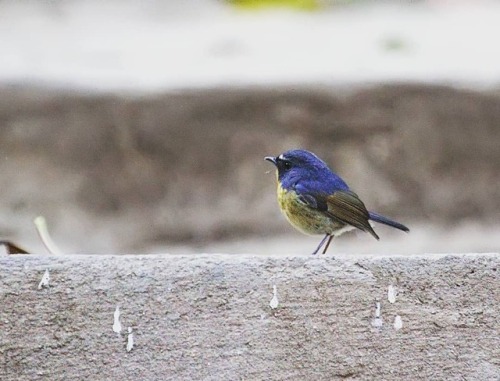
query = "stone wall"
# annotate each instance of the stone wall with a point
(206, 317)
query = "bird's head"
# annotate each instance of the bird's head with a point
(297, 164)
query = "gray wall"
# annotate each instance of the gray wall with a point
(191, 163)
(209, 318)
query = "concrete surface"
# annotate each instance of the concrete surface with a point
(208, 317)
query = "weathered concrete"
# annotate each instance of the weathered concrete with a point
(209, 318)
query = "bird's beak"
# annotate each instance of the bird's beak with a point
(271, 159)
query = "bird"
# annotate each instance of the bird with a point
(315, 200)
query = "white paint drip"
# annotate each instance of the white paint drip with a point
(45, 280)
(391, 294)
(130, 340)
(117, 326)
(398, 323)
(377, 322)
(274, 301)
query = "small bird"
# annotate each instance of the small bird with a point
(317, 201)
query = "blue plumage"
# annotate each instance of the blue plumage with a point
(315, 200)
(387, 221)
(310, 172)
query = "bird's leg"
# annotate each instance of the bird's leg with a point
(327, 244)
(321, 244)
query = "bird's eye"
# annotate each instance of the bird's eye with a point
(287, 165)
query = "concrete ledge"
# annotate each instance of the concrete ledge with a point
(209, 318)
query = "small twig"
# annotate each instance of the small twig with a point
(43, 233)
(12, 248)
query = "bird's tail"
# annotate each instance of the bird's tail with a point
(387, 221)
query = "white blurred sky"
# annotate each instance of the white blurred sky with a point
(163, 45)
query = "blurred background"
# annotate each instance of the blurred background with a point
(141, 126)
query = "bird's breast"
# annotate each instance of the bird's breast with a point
(302, 216)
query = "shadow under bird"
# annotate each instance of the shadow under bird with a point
(317, 201)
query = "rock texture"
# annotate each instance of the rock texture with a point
(209, 318)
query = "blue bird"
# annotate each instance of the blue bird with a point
(317, 201)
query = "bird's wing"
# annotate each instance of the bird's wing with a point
(346, 206)
(342, 205)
